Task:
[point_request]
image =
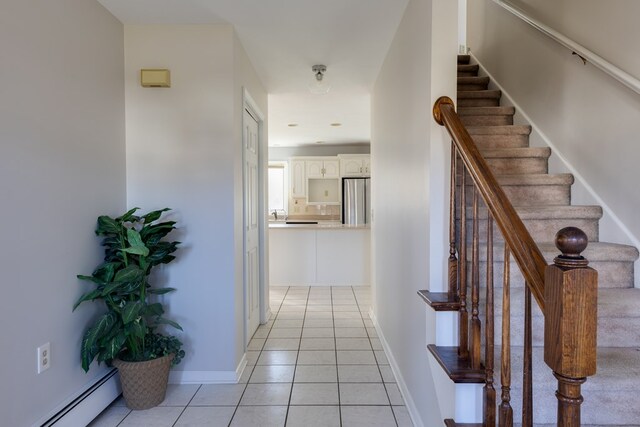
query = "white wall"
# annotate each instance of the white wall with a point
(409, 156)
(246, 79)
(589, 118)
(62, 163)
(184, 151)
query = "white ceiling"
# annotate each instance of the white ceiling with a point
(284, 39)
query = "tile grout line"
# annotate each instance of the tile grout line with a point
(260, 354)
(376, 359)
(335, 343)
(186, 406)
(295, 369)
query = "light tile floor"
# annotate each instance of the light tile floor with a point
(317, 362)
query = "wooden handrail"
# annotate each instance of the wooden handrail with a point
(517, 237)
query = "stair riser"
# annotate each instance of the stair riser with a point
(528, 195)
(542, 230)
(612, 332)
(501, 141)
(611, 274)
(479, 102)
(516, 165)
(473, 86)
(493, 120)
(468, 70)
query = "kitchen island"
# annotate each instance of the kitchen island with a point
(324, 254)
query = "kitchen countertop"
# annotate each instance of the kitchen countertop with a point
(321, 225)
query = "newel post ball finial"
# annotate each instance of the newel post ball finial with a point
(571, 241)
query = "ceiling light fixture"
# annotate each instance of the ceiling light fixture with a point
(292, 125)
(335, 125)
(319, 86)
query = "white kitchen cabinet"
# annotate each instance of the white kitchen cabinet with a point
(298, 179)
(366, 165)
(319, 256)
(355, 165)
(323, 168)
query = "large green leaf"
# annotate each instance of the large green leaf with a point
(112, 348)
(136, 245)
(160, 291)
(89, 347)
(90, 279)
(154, 216)
(154, 309)
(161, 229)
(128, 216)
(126, 280)
(132, 273)
(131, 311)
(106, 271)
(107, 225)
(164, 321)
(87, 297)
(137, 329)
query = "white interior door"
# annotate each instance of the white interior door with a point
(251, 224)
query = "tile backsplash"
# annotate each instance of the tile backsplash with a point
(299, 209)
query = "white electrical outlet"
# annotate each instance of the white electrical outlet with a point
(44, 357)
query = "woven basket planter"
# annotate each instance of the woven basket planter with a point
(144, 384)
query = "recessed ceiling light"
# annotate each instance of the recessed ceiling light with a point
(336, 124)
(292, 125)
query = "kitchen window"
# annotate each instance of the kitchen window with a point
(278, 187)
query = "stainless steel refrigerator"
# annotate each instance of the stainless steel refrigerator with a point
(356, 201)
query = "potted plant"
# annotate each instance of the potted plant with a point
(127, 336)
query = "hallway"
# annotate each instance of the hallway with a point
(317, 362)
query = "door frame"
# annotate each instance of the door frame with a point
(251, 106)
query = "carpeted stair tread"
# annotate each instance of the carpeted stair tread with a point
(486, 111)
(464, 59)
(468, 68)
(499, 130)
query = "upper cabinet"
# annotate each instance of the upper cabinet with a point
(355, 165)
(298, 178)
(323, 168)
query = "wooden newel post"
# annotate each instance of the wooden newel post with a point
(571, 291)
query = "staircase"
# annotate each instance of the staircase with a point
(543, 202)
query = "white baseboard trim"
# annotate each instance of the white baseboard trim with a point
(208, 377)
(408, 400)
(85, 406)
(578, 177)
